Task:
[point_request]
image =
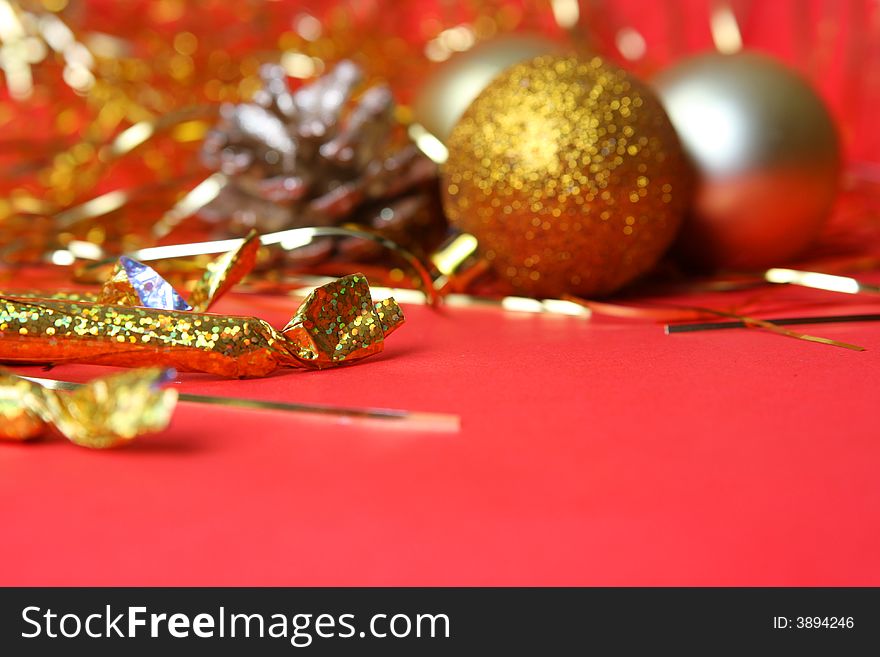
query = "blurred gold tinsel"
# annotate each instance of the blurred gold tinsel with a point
(104, 106)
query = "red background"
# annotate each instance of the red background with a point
(590, 453)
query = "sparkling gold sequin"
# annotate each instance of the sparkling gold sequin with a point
(570, 175)
(337, 323)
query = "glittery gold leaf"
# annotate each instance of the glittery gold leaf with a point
(136, 284)
(224, 272)
(339, 322)
(107, 412)
(116, 409)
(20, 408)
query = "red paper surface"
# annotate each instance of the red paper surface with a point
(591, 453)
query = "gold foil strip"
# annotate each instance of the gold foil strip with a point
(387, 418)
(779, 330)
(817, 319)
(679, 313)
(819, 281)
(224, 272)
(106, 412)
(302, 285)
(338, 323)
(289, 239)
(219, 277)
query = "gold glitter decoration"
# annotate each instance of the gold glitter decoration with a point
(570, 175)
(133, 283)
(338, 323)
(65, 295)
(117, 290)
(224, 272)
(20, 402)
(107, 412)
(220, 275)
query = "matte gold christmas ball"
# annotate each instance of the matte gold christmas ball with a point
(766, 154)
(570, 175)
(449, 91)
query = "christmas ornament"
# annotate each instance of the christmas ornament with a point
(767, 156)
(569, 174)
(337, 323)
(292, 159)
(457, 82)
(104, 413)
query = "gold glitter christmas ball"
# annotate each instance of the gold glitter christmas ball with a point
(570, 175)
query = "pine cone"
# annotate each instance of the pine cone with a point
(293, 159)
